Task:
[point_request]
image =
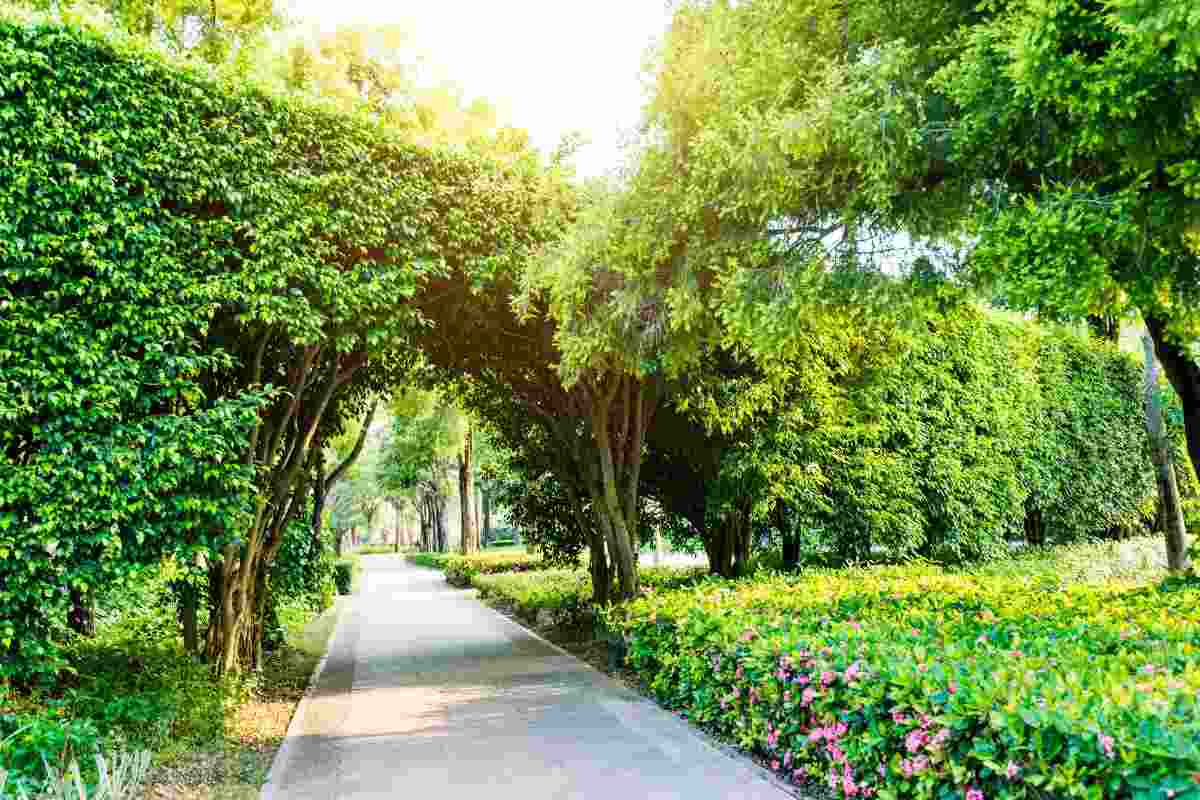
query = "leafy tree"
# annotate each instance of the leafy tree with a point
(294, 237)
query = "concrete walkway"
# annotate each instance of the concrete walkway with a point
(427, 693)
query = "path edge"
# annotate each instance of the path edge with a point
(707, 739)
(283, 754)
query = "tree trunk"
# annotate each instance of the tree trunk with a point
(617, 440)
(441, 524)
(82, 618)
(1105, 327)
(470, 535)
(1170, 507)
(790, 539)
(479, 526)
(1184, 375)
(188, 602)
(320, 494)
(1035, 532)
(486, 498)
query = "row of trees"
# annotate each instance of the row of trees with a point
(203, 284)
(768, 324)
(738, 286)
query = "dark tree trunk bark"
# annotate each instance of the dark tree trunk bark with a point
(1184, 375)
(1105, 327)
(1170, 506)
(789, 538)
(486, 500)
(82, 617)
(320, 493)
(189, 602)
(470, 535)
(1035, 533)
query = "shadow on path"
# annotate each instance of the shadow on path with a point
(426, 692)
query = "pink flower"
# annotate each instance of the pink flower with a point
(748, 635)
(853, 671)
(1107, 744)
(775, 766)
(974, 794)
(849, 787)
(809, 695)
(916, 632)
(739, 672)
(1012, 771)
(787, 758)
(781, 673)
(952, 688)
(787, 696)
(899, 718)
(915, 741)
(828, 677)
(801, 679)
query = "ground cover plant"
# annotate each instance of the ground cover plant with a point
(133, 687)
(916, 682)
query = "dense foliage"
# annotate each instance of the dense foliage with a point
(247, 263)
(910, 682)
(980, 433)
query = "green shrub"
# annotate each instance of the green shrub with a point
(982, 432)
(460, 569)
(343, 576)
(910, 682)
(502, 543)
(377, 550)
(564, 597)
(431, 560)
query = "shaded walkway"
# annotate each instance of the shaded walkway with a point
(429, 693)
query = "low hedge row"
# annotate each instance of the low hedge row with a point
(460, 569)
(910, 683)
(563, 597)
(431, 560)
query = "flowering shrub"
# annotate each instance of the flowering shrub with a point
(912, 683)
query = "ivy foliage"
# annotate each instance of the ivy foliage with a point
(174, 248)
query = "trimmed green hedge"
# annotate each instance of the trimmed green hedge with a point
(982, 432)
(564, 597)
(914, 683)
(460, 569)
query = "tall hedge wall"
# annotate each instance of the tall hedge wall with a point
(982, 432)
(161, 233)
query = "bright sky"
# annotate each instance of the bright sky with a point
(551, 66)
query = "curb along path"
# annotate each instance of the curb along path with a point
(426, 692)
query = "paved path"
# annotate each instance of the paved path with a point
(427, 693)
